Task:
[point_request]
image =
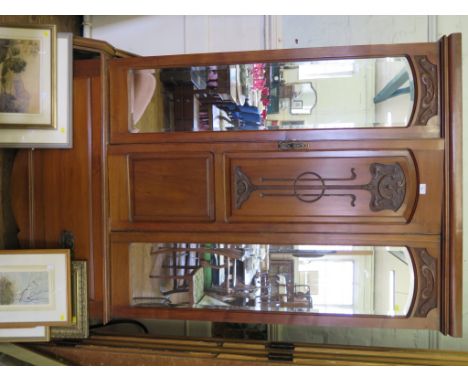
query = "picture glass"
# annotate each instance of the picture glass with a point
(27, 77)
(31, 287)
(35, 288)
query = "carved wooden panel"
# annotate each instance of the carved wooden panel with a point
(429, 90)
(171, 187)
(355, 186)
(427, 282)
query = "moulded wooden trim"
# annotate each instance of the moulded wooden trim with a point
(99, 46)
(252, 146)
(276, 238)
(133, 350)
(280, 55)
(289, 318)
(416, 132)
(453, 218)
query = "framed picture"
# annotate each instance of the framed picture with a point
(79, 295)
(27, 77)
(296, 104)
(35, 288)
(61, 136)
(33, 334)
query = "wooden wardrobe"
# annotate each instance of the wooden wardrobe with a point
(382, 184)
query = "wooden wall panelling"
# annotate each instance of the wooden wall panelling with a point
(325, 186)
(421, 162)
(171, 186)
(58, 190)
(95, 200)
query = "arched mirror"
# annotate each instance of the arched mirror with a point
(364, 280)
(339, 93)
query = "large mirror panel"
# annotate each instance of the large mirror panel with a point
(346, 93)
(295, 278)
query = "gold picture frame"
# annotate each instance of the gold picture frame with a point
(35, 288)
(80, 323)
(28, 76)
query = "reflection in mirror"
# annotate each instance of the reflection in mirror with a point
(307, 278)
(373, 92)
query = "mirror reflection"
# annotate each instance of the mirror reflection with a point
(346, 93)
(306, 278)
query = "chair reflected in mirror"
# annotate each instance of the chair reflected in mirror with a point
(183, 274)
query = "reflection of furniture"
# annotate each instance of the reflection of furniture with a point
(285, 267)
(193, 93)
(303, 99)
(192, 283)
(301, 296)
(393, 87)
(182, 261)
(184, 102)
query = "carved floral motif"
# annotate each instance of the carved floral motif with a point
(429, 96)
(427, 280)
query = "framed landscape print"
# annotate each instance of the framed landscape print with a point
(61, 136)
(35, 288)
(27, 77)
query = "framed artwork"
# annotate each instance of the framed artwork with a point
(35, 288)
(61, 136)
(27, 77)
(296, 104)
(33, 334)
(79, 327)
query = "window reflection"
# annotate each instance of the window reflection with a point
(306, 278)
